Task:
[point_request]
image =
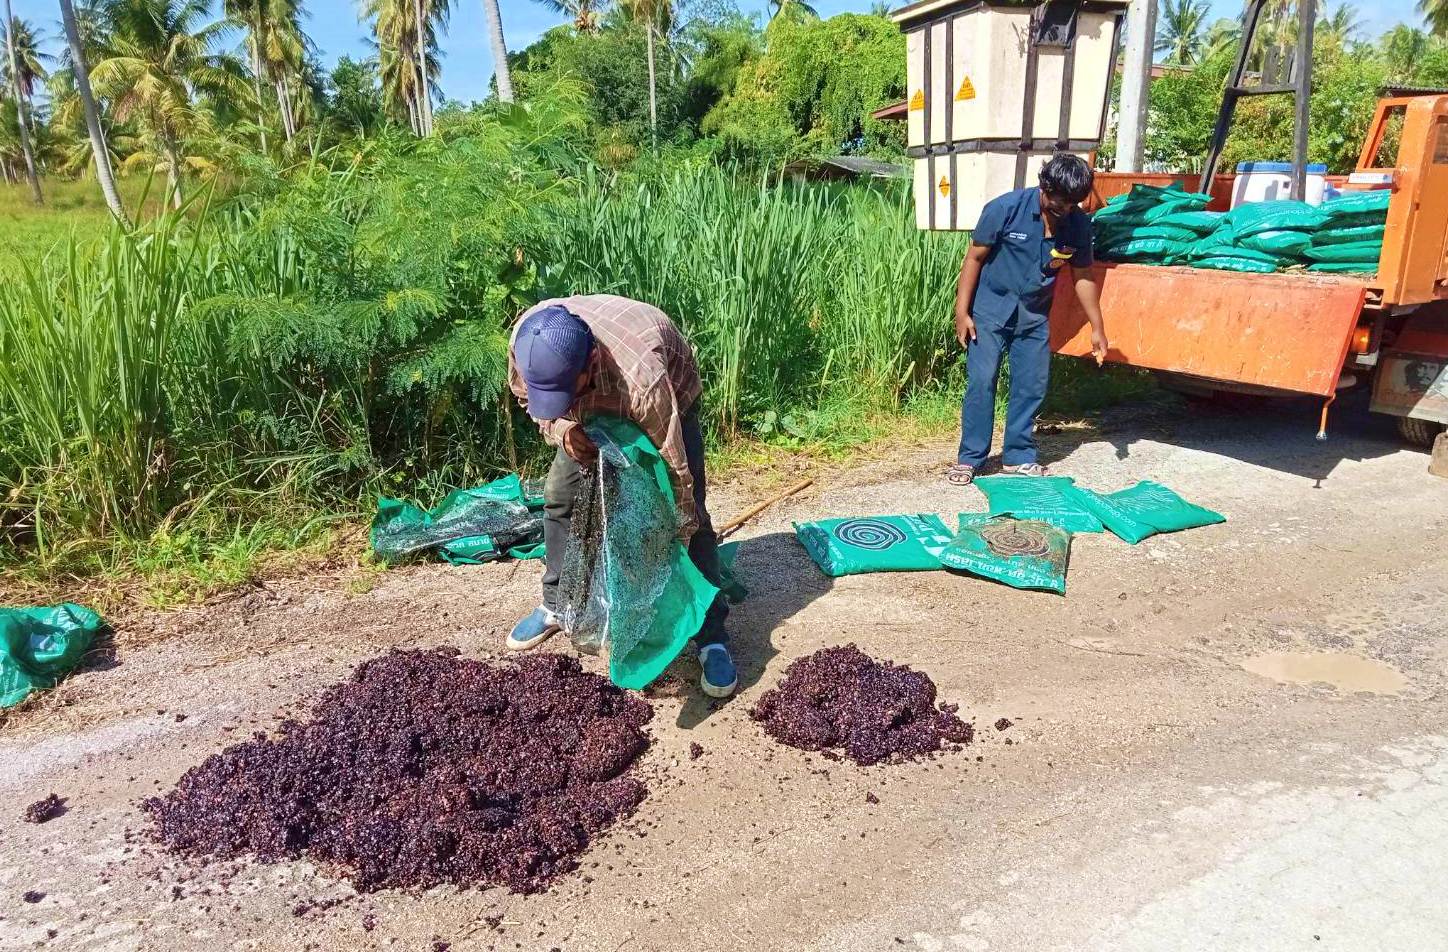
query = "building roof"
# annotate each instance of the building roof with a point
(846, 165)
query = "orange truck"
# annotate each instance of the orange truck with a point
(995, 87)
(1300, 333)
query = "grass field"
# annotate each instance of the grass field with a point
(28, 233)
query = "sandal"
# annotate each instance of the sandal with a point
(960, 475)
(1025, 469)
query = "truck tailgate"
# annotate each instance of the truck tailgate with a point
(1281, 331)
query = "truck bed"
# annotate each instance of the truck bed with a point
(1288, 332)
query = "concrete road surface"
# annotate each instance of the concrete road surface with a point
(1232, 738)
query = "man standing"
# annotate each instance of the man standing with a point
(574, 357)
(1002, 301)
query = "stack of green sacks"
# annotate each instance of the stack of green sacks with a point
(1152, 224)
(1351, 240)
(1259, 237)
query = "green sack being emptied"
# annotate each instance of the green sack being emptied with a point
(1046, 498)
(628, 584)
(1021, 553)
(874, 543)
(39, 645)
(1144, 510)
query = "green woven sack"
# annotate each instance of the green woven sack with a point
(1197, 222)
(628, 584)
(874, 543)
(38, 646)
(1349, 234)
(1344, 267)
(467, 527)
(1144, 510)
(1162, 232)
(1354, 251)
(1286, 215)
(1021, 553)
(1230, 262)
(1045, 498)
(1146, 249)
(1225, 243)
(1355, 204)
(1284, 243)
(1175, 206)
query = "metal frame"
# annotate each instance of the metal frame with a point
(1028, 143)
(1300, 88)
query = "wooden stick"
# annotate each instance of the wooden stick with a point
(733, 525)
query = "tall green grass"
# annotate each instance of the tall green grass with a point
(241, 374)
(786, 291)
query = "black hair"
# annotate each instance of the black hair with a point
(1068, 176)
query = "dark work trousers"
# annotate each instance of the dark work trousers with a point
(565, 479)
(1026, 338)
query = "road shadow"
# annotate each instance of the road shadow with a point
(782, 582)
(1276, 433)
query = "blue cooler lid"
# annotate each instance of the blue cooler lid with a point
(1277, 167)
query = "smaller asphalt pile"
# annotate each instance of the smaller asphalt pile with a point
(841, 699)
(426, 768)
(45, 809)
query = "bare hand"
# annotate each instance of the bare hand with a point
(964, 329)
(577, 445)
(1099, 346)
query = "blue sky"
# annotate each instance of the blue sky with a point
(468, 66)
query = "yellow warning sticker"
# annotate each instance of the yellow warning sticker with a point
(917, 101)
(944, 186)
(966, 90)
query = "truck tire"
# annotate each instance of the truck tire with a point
(1419, 432)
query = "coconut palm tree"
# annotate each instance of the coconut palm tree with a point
(655, 16)
(1220, 37)
(1435, 12)
(1181, 33)
(100, 148)
(399, 56)
(583, 13)
(1342, 25)
(30, 61)
(27, 151)
(501, 73)
(791, 8)
(284, 52)
(1403, 47)
(251, 14)
(160, 55)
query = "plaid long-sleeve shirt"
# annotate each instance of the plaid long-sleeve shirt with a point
(645, 373)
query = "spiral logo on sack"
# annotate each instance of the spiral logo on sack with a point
(873, 534)
(1013, 539)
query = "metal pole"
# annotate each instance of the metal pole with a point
(1250, 16)
(1306, 24)
(1135, 85)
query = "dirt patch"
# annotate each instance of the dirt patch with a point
(45, 809)
(841, 699)
(426, 768)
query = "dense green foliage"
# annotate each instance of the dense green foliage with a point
(1347, 78)
(813, 90)
(299, 347)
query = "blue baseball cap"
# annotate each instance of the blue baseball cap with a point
(551, 349)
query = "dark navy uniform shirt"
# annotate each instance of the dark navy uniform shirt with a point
(1020, 271)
